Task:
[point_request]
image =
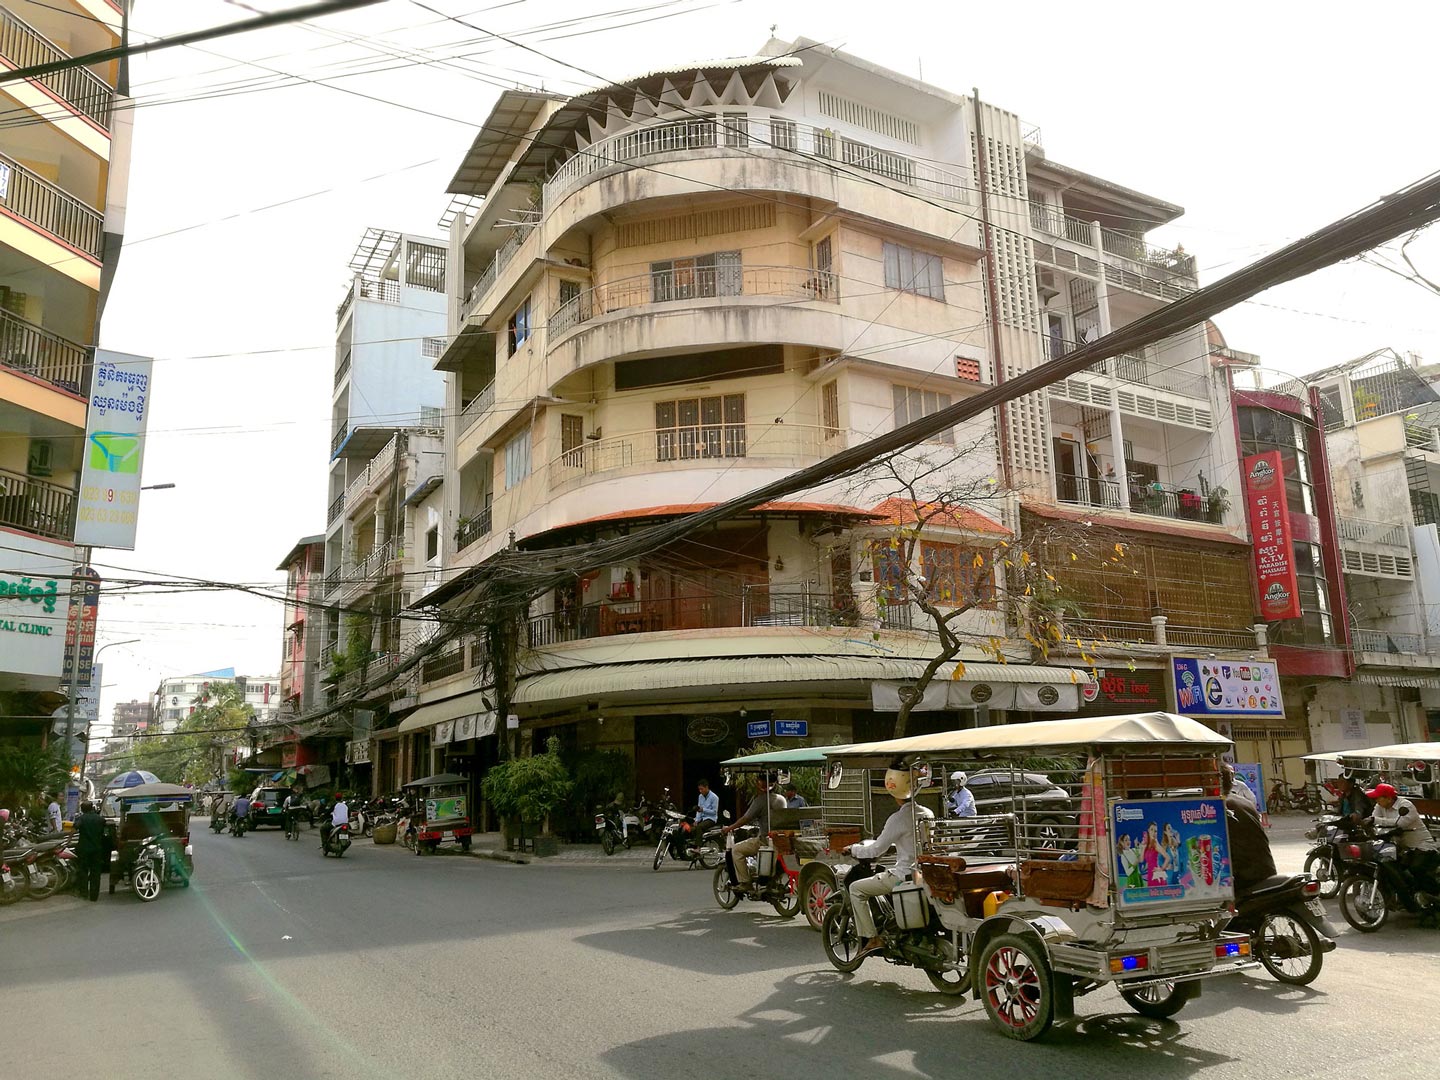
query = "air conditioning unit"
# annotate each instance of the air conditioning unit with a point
(1045, 283)
(42, 458)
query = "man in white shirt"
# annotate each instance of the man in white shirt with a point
(340, 815)
(56, 820)
(962, 799)
(899, 833)
(1239, 789)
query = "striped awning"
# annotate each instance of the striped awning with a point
(1399, 678)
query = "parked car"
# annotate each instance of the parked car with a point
(1051, 814)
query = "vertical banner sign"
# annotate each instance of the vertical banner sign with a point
(1270, 528)
(80, 625)
(109, 502)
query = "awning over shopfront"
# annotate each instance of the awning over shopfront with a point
(464, 717)
(604, 680)
(1399, 678)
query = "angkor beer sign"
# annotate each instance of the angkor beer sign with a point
(1270, 532)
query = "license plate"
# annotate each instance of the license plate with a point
(1316, 908)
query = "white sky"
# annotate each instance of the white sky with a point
(1264, 121)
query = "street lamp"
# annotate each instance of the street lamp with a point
(74, 685)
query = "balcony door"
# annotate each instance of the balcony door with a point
(1069, 482)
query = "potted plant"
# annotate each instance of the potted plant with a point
(1218, 504)
(529, 790)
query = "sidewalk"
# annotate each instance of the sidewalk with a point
(492, 846)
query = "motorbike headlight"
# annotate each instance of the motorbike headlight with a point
(114, 856)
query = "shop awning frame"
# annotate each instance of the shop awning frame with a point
(475, 703)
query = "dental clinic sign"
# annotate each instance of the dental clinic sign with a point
(34, 600)
(109, 503)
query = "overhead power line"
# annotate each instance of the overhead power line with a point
(261, 22)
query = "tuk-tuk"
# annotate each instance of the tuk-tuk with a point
(1136, 892)
(151, 840)
(441, 814)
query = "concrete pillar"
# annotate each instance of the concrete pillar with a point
(1262, 635)
(1158, 622)
(1117, 429)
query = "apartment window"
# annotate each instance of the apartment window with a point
(716, 274)
(569, 290)
(572, 440)
(914, 271)
(1055, 336)
(517, 459)
(824, 269)
(707, 427)
(824, 142)
(911, 404)
(520, 326)
(956, 575)
(432, 347)
(784, 135)
(888, 559)
(830, 408)
(432, 543)
(737, 129)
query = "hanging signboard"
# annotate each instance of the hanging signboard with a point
(33, 619)
(1205, 687)
(1270, 533)
(109, 502)
(80, 626)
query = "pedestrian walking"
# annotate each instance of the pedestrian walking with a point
(90, 850)
(57, 822)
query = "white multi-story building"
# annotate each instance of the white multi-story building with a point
(176, 698)
(64, 162)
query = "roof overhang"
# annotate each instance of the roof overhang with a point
(1137, 203)
(1131, 523)
(300, 545)
(511, 121)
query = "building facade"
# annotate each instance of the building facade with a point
(176, 698)
(304, 569)
(130, 717)
(63, 169)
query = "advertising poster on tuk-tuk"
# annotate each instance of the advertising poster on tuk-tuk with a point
(1170, 851)
(449, 808)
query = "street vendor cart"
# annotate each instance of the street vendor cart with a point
(151, 839)
(441, 813)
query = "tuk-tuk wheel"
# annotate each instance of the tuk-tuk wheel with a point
(146, 883)
(1159, 1001)
(464, 843)
(815, 890)
(1017, 986)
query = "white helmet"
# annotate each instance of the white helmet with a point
(959, 779)
(897, 782)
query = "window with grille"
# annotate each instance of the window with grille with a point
(830, 408)
(888, 559)
(517, 459)
(784, 134)
(432, 347)
(715, 274)
(737, 129)
(572, 440)
(914, 271)
(824, 256)
(911, 404)
(957, 576)
(707, 427)
(520, 326)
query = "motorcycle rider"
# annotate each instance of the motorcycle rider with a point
(899, 833)
(1250, 859)
(339, 815)
(962, 799)
(758, 811)
(294, 803)
(1394, 811)
(707, 813)
(240, 810)
(1351, 802)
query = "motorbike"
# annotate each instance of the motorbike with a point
(336, 842)
(612, 832)
(908, 925)
(771, 882)
(14, 884)
(677, 843)
(292, 825)
(1289, 930)
(1327, 861)
(240, 825)
(1284, 797)
(1382, 878)
(218, 822)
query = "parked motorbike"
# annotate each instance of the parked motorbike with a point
(677, 842)
(336, 842)
(1303, 798)
(14, 884)
(1382, 878)
(909, 927)
(1289, 930)
(1328, 860)
(770, 882)
(612, 831)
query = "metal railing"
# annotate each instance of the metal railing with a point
(1366, 531)
(377, 467)
(1139, 369)
(387, 292)
(53, 209)
(688, 285)
(443, 666)
(339, 439)
(472, 529)
(1173, 263)
(1092, 634)
(27, 348)
(751, 135)
(337, 507)
(78, 87)
(36, 506)
(343, 368)
(690, 443)
(332, 580)
(479, 405)
(1386, 641)
(376, 559)
(1153, 500)
(491, 273)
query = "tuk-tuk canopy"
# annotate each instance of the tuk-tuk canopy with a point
(1140, 731)
(800, 757)
(1404, 752)
(146, 792)
(438, 779)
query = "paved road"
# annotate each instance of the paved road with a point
(279, 963)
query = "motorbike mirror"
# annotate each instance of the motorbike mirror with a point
(837, 772)
(725, 814)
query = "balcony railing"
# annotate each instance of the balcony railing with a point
(685, 286)
(1153, 500)
(1365, 531)
(53, 209)
(1095, 634)
(376, 468)
(443, 666)
(1140, 369)
(751, 136)
(35, 506)
(387, 292)
(342, 369)
(746, 605)
(79, 87)
(332, 580)
(701, 443)
(337, 507)
(339, 439)
(472, 529)
(1131, 254)
(479, 405)
(370, 566)
(27, 348)
(491, 273)
(1386, 641)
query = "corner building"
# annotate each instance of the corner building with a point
(674, 290)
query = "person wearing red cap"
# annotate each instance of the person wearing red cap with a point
(1394, 811)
